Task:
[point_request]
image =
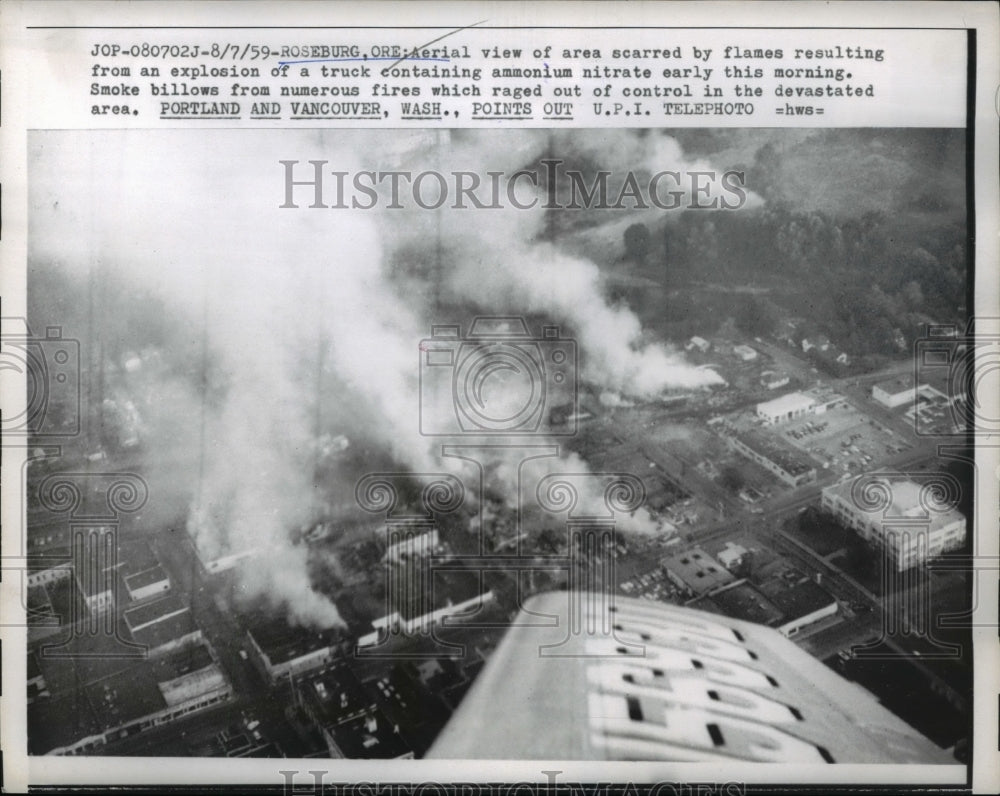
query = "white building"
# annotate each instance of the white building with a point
(411, 546)
(152, 582)
(910, 529)
(787, 407)
(894, 392)
(773, 380)
(821, 342)
(97, 591)
(731, 555)
(394, 622)
(698, 342)
(47, 570)
(903, 391)
(745, 352)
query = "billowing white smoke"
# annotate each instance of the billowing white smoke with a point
(269, 287)
(498, 262)
(541, 279)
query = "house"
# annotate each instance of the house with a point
(698, 342)
(820, 342)
(731, 555)
(772, 380)
(788, 407)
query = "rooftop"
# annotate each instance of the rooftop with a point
(125, 696)
(166, 630)
(697, 570)
(334, 695)
(135, 556)
(370, 736)
(282, 642)
(146, 578)
(777, 451)
(190, 659)
(797, 601)
(742, 602)
(59, 721)
(445, 587)
(908, 499)
(193, 684)
(155, 611)
(57, 557)
(94, 583)
(793, 401)
(895, 385)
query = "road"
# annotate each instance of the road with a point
(252, 691)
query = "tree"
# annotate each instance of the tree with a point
(756, 317)
(731, 478)
(637, 242)
(550, 540)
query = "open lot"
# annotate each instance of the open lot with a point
(843, 438)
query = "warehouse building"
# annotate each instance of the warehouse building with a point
(911, 528)
(787, 407)
(784, 461)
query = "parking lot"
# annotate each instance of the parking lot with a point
(843, 439)
(652, 585)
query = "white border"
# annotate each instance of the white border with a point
(17, 85)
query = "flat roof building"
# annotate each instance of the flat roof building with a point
(333, 696)
(55, 564)
(169, 634)
(145, 695)
(149, 613)
(910, 527)
(148, 583)
(404, 545)
(731, 555)
(369, 736)
(283, 650)
(696, 571)
(140, 570)
(787, 407)
(441, 594)
(163, 625)
(894, 392)
(773, 380)
(773, 454)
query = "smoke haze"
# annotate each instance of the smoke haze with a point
(288, 323)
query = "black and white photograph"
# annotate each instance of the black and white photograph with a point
(617, 429)
(500, 398)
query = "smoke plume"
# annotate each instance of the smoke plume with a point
(297, 322)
